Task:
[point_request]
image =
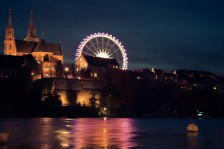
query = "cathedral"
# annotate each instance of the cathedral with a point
(48, 55)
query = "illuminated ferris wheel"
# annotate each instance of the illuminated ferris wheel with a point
(105, 46)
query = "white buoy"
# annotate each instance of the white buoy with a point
(192, 127)
(4, 138)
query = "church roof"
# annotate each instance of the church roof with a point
(97, 61)
(24, 46)
(54, 48)
(41, 46)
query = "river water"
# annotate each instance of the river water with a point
(64, 133)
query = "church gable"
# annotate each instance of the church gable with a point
(54, 48)
(41, 46)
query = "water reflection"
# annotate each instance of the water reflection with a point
(61, 133)
(97, 133)
(192, 140)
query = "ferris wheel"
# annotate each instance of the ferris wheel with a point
(105, 46)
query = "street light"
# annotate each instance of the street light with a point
(66, 72)
(66, 69)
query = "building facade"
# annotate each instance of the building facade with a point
(95, 68)
(48, 55)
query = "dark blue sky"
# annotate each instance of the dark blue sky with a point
(166, 34)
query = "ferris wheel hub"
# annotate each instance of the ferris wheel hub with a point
(103, 54)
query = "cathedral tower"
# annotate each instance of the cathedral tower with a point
(9, 42)
(32, 32)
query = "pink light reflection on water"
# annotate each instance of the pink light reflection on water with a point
(102, 133)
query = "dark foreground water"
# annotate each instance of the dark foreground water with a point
(56, 133)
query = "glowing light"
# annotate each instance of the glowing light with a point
(64, 97)
(200, 113)
(66, 69)
(103, 54)
(84, 96)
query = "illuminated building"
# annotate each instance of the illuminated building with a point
(48, 55)
(95, 67)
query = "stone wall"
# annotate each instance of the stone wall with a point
(83, 88)
(77, 85)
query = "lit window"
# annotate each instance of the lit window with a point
(95, 74)
(113, 66)
(91, 74)
(139, 78)
(116, 66)
(214, 88)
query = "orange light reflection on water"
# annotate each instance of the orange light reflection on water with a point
(101, 133)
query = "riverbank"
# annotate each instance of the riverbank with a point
(8, 111)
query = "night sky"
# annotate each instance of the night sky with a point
(167, 34)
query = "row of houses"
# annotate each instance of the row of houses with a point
(184, 79)
(95, 68)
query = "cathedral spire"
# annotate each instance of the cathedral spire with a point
(9, 29)
(31, 33)
(31, 25)
(9, 42)
(10, 19)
